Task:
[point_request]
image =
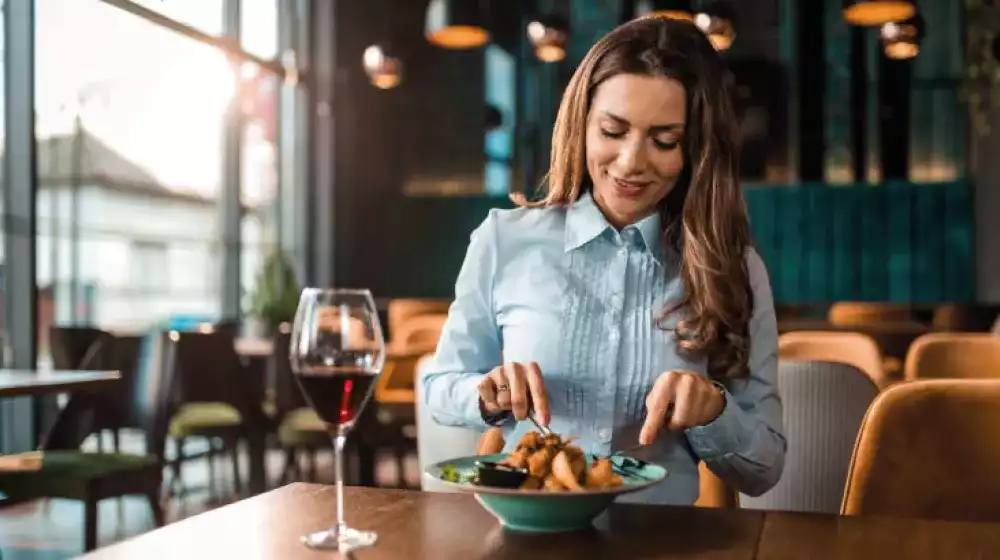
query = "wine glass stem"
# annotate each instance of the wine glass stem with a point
(338, 449)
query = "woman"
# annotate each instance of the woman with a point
(627, 307)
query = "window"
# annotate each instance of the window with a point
(149, 267)
(130, 118)
(259, 173)
(259, 27)
(203, 15)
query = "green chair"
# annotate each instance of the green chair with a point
(299, 430)
(68, 473)
(212, 399)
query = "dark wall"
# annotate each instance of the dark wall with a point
(822, 244)
(430, 128)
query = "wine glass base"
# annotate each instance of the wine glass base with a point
(346, 541)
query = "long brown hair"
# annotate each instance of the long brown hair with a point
(704, 216)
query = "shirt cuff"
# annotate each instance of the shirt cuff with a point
(458, 403)
(495, 420)
(721, 436)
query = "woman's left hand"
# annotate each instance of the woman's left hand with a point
(680, 399)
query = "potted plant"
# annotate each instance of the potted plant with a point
(274, 297)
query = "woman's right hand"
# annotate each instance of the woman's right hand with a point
(518, 388)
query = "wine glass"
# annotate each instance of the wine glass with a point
(337, 353)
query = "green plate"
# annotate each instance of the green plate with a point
(540, 511)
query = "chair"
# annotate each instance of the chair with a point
(713, 492)
(419, 333)
(894, 340)
(436, 443)
(211, 397)
(402, 310)
(92, 477)
(417, 336)
(954, 356)
(863, 313)
(824, 404)
(928, 449)
(299, 429)
(82, 348)
(963, 317)
(398, 379)
(851, 348)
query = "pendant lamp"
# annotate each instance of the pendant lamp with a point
(901, 40)
(716, 20)
(384, 70)
(548, 34)
(878, 12)
(456, 24)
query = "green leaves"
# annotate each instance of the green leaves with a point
(450, 474)
(275, 295)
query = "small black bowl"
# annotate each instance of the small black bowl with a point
(499, 476)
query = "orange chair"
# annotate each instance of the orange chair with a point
(419, 333)
(713, 492)
(928, 449)
(402, 310)
(862, 313)
(954, 356)
(851, 348)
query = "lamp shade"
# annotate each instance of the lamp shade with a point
(456, 24)
(672, 9)
(878, 12)
(548, 34)
(384, 71)
(902, 40)
(717, 21)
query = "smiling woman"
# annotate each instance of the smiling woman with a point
(634, 155)
(628, 305)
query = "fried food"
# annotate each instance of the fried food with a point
(555, 465)
(491, 442)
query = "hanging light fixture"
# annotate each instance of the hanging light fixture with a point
(671, 9)
(548, 35)
(902, 40)
(878, 12)
(716, 20)
(383, 70)
(456, 24)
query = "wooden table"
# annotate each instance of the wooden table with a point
(424, 525)
(19, 383)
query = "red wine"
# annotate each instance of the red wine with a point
(338, 394)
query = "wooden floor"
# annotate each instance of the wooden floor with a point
(53, 529)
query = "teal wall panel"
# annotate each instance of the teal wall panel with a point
(896, 242)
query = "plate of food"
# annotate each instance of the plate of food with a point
(546, 484)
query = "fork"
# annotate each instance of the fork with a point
(543, 429)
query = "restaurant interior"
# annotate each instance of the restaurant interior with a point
(148, 404)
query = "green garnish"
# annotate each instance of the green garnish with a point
(450, 474)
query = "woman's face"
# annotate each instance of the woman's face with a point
(634, 134)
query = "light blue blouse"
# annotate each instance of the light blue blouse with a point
(562, 287)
